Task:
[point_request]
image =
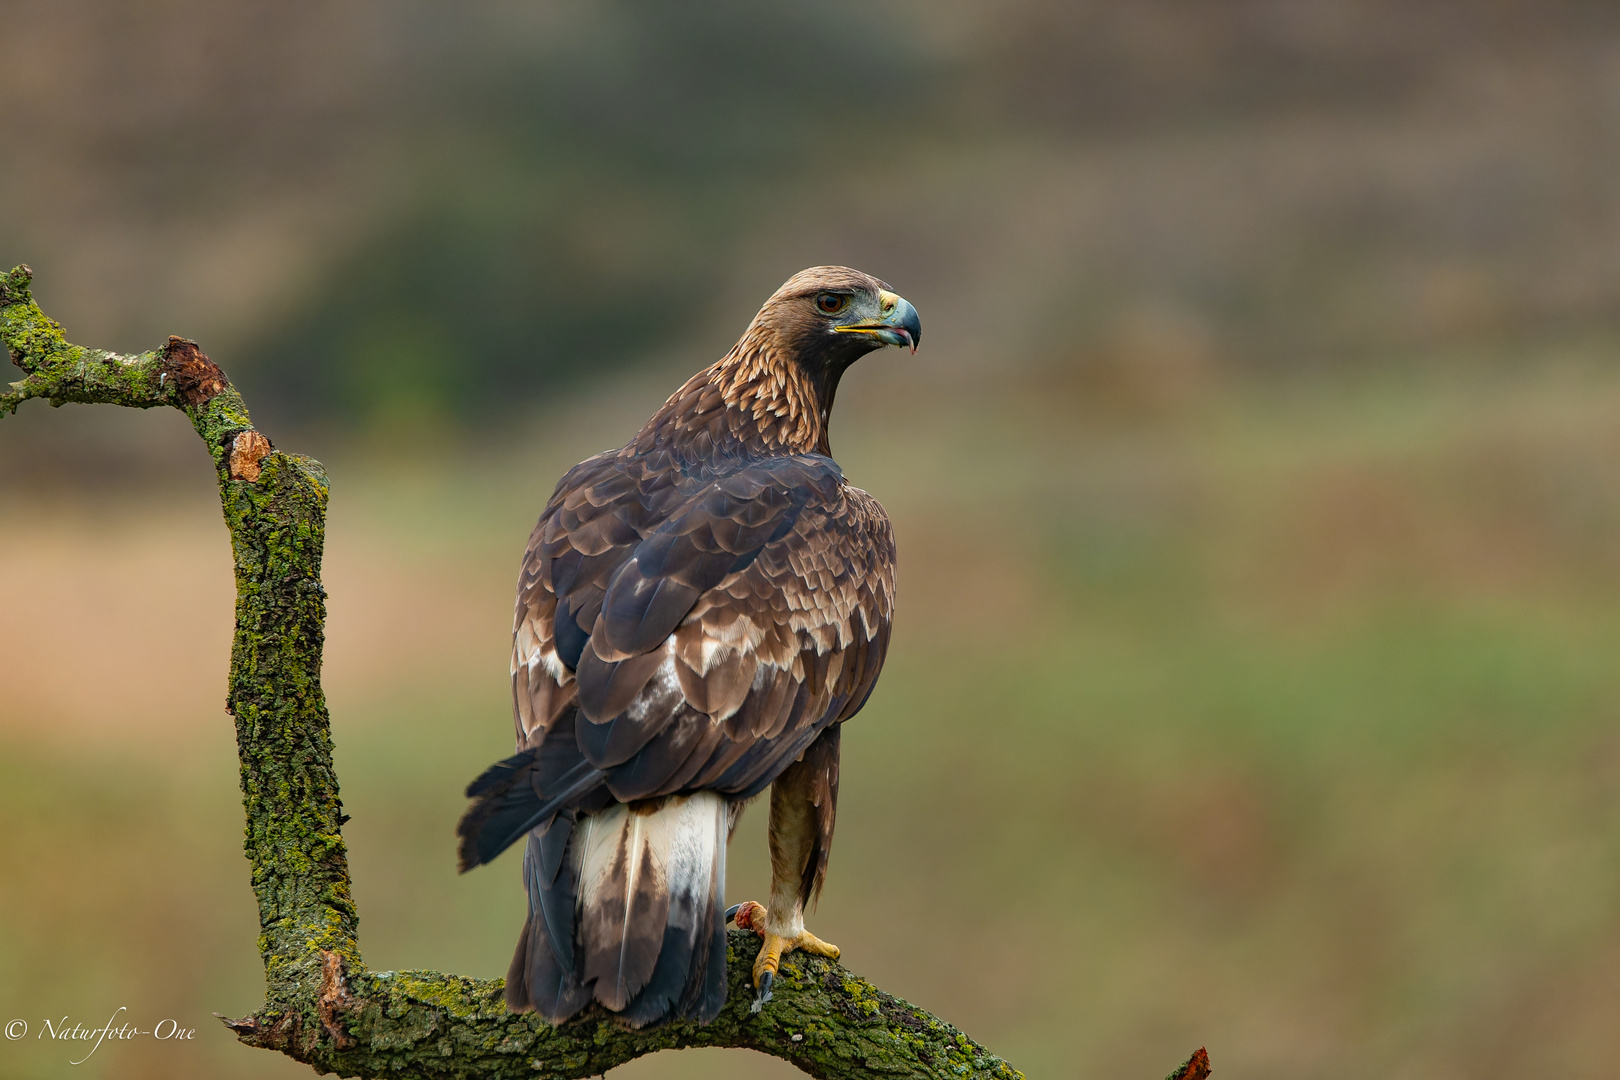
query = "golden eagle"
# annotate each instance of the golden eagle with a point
(697, 615)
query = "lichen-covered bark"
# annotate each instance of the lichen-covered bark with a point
(275, 507)
(322, 1006)
(422, 1024)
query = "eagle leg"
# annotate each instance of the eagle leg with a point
(804, 802)
(752, 916)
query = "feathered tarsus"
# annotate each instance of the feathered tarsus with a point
(696, 614)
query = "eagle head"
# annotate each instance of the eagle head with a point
(827, 317)
(773, 392)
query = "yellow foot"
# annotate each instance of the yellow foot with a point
(751, 916)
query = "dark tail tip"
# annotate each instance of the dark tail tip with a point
(495, 789)
(467, 843)
(509, 803)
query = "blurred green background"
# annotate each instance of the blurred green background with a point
(1257, 487)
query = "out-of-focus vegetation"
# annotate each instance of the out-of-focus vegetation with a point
(1257, 487)
(400, 213)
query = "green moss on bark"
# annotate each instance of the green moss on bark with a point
(823, 1019)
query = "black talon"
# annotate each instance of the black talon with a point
(731, 912)
(763, 994)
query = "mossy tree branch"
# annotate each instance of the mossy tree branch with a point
(322, 1006)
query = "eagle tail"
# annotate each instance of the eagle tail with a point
(634, 917)
(541, 976)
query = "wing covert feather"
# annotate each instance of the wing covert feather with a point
(711, 627)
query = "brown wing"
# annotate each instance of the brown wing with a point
(794, 643)
(730, 620)
(602, 508)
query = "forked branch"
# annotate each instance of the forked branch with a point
(322, 1005)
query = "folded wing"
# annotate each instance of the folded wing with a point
(699, 634)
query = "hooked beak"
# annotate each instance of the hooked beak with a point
(898, 325)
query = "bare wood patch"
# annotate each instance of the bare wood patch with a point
(247, 450)
(334, 998)
(197, 379)
(1194, 1068)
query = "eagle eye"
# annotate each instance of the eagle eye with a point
(831, 303)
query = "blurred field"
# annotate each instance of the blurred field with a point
(1281, 720)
